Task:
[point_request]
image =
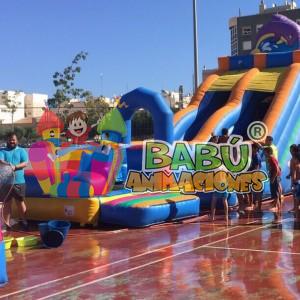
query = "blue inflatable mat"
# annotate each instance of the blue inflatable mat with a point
(144, 209)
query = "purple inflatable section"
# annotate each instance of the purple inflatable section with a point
(279, 35)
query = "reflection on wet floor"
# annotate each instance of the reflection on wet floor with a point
(255, 256)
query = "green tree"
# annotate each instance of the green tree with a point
(12, 103)
(29, 134)
(19, 132)
(64, 83)
(3, 133)
(96, 108)
(142, 125)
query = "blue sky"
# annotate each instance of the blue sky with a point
(131, 43)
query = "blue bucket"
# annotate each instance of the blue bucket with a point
(62, 226)
(43, 228)
(53, 239)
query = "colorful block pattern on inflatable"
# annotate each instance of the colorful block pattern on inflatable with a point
(77, 168)
(144, 209)
(84, 171)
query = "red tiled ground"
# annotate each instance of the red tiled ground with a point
(252, 258)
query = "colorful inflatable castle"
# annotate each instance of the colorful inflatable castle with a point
(73, 180)
(65, 179)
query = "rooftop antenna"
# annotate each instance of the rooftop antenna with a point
(262, 6)
(240, 13)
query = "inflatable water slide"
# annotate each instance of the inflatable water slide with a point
(259, 87)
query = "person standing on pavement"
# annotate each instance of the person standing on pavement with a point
(18, 159)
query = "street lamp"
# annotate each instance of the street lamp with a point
(195, 45)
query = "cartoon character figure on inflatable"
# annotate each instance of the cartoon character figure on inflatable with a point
(42, 153)
(78, 168)
(78, 128)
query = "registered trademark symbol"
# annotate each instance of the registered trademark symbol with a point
(257, 131)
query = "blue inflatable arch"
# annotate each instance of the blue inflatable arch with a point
(161, 113)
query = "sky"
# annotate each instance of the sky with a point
(130, 43)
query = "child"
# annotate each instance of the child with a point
(214, 139)
(269, 143)
(274, 176)
(215, 197)
(224, 137)
(255, 166)
(220, 195)
(295, 177)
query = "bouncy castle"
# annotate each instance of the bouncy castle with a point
(64, 179)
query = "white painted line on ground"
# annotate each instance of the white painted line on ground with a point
(252, 250)
(153, 262)
(117, 262)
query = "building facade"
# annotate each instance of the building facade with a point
(243, 29)
(28, 107)
(176, 100)
(34, 105)
(11, 99)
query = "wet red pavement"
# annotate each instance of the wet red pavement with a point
(252, 258)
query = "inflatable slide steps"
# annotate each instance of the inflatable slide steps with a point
(144, 209)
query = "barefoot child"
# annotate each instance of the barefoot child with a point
(295, 177)
(215, 197)
(255, 197)
(274, 176)
(220, 195)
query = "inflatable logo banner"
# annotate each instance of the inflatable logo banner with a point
(203, 167)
